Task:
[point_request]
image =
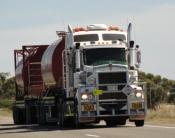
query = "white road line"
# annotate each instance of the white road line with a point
(154, 126)
(160, 126)
(90, 135)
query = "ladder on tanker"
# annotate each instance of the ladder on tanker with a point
(34, 76)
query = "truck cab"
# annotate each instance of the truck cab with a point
(87, 75)
(106, 76)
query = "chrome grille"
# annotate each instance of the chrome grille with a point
(112, 78)
(115, 96)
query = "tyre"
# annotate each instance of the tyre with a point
(19, 115)
(15, 115)
(33, 114)
(139, 123)
(110, 123)
(76, 121)
(61, 118)
(41, 115)
(121, 122)
(76, 116)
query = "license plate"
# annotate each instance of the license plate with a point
(88, 107)
(112, 88)
(136, 105)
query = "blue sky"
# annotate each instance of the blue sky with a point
(22, 13)
(24, 22)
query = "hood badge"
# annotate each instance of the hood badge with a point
(110, 66)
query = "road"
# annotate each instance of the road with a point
(8, 130)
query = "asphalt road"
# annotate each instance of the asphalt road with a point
(8, 130)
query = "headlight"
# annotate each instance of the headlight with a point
(84, 96)
(87, 96)
(138, 94)
(91, 80)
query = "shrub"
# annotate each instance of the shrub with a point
(6, 103)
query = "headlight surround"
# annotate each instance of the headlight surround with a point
(86, 96)
(139, 94)
(135, 92)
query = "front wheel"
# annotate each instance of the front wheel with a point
(61, 114)
(76, 115)
(139, 123)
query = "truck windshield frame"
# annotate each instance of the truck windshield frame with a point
(100, 56)
(86, 37)
(107, 37)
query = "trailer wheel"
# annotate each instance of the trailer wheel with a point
(139, 123)
(15, 115)
(110, 123)
(61, 119)
(41, 115)
(121, 122)
(19, 115)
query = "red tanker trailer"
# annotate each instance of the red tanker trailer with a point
(38, 68)
(87, 75)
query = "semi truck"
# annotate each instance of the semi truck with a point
(89, 74)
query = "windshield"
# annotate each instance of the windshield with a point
(87, 37)
(99, 56)
(108, 37)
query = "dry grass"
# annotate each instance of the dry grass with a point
(164, 114)
(5, 112)
(5, 116)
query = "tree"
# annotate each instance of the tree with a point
(7, 86)
(157, 79)
(157, 89)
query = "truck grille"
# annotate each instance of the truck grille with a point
(116, 95)
(105, 87)
(112, 78)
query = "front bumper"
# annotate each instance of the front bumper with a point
(112, 109)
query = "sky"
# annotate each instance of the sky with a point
(26, 22)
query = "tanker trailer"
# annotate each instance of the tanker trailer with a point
(38, 75)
